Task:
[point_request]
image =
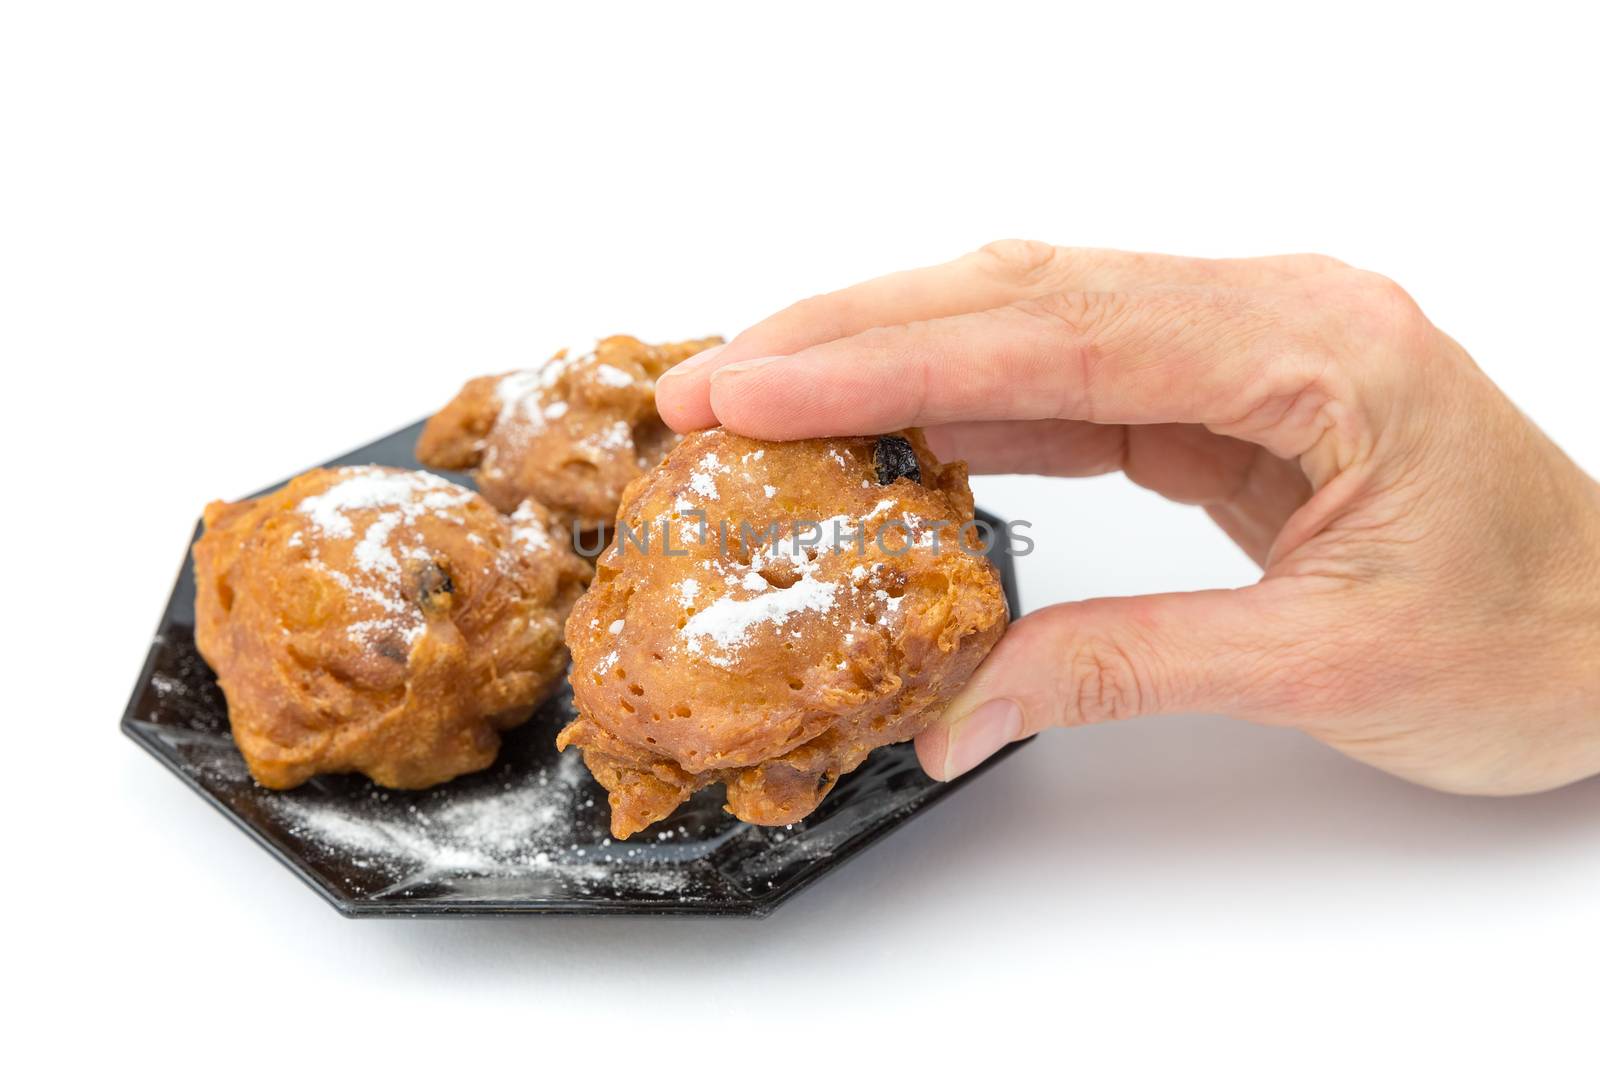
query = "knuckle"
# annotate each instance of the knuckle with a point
(1356, 332)
(1314, 263)
(1102, 683)
(817, 308)
(811, 321)
(1377, 306)
(1080, 312)
(1022, 262)
(1384, 293)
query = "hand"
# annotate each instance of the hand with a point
(1430, 602)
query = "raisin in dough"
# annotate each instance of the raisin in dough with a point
(775, 664)
(381, 621)
(571, 434)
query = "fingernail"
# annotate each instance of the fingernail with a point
(700, 358)
(991, 727)
(744, 365)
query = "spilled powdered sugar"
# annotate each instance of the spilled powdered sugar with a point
(538, 824)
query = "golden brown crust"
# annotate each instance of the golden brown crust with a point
(571, 434)
(773, 667)
(381, 621)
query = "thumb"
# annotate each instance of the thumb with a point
(1101, 660)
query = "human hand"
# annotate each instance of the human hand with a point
(1430, 602)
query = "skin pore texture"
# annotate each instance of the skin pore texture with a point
(1430, 591)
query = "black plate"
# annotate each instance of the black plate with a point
(528, 835)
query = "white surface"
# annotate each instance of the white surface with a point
(235, 241)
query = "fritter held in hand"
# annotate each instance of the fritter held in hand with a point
(381, 621)
(776, 655)
(571, 434)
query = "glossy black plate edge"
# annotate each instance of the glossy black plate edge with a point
(139, 734)
(751, 908)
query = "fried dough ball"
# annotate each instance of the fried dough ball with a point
(382, 621)
(571, 434)
(776, 656)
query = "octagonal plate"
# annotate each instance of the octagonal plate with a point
(527, 836)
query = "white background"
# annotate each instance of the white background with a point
(238, 239)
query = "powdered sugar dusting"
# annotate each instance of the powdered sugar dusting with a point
(372, 552)
(750, 601)
(613, 438)
(522, 393)
(528, 528)
(704, 478)
(388, 502)
(615, 377)
(729, 622)
(513, 391)
(366, 488)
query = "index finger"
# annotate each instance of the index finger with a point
(997, 274)
(1211, 356)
